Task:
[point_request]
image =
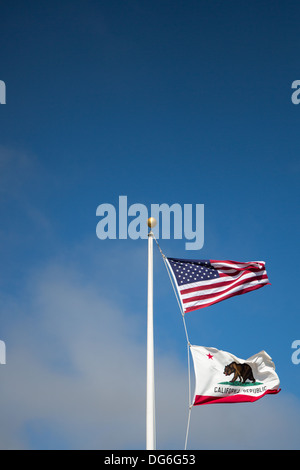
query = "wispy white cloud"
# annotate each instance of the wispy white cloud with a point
(16, 169)
(22, 183)
(76, 366)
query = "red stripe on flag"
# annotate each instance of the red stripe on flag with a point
(214, 294)
(205, 285)
(242, 291)
(239, 264)
(238, 398)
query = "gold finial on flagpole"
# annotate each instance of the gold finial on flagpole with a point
(151, 222)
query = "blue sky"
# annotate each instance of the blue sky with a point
(164, 102)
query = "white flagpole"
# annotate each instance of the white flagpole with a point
(150, 395)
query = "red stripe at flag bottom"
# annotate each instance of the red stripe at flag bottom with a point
(240, 398)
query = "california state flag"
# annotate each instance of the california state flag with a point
(222, 377)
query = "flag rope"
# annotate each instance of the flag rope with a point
(187, 339)
(188, 427)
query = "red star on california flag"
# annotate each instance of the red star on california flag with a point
(209, 356)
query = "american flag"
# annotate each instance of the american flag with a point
(201, 283)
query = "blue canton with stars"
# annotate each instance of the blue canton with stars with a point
(188, 271)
